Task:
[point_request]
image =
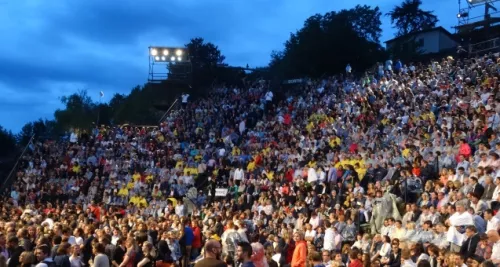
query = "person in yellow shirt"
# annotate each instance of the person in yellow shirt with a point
(136, 177)
(268, 173)
(76, 168)
(123, 192)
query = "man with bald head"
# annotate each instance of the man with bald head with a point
(494, 238)
(211, 258)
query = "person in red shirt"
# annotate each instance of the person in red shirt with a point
(196, 245)
(354, 261)
(299, 256)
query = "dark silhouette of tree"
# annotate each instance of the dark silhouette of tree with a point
(327, 43)
(205, 61)
(41, 129)
(204, 55)
(7, 143)
(80, 111)
(409, 17)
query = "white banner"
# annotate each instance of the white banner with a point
(219, 192)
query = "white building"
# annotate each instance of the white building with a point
(431, 41)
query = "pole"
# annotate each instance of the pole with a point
(17, 162)
(406, 190)
(171, 106)
(99, 110)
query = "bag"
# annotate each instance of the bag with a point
(232, 241)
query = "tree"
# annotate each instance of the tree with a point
(41, 129)
(327, 43)
(409, 18)
(80, 111)
(205, 58)
(204, 55)
(7, 143)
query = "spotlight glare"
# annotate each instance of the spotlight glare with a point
(172, 58)
(179, 58)
(157, 58)
(154, 52)
(178, 52)
(163, 58)
(165, 52)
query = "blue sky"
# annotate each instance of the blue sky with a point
(57, 47)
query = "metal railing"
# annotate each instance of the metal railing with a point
(484, 47)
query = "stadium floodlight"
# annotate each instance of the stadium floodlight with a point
(169, 62)
(476, 2)
(462, 15)
(162, 54)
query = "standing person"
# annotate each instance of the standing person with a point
(196, 246)
(62, 259)
(14, 250)
(184, 99)
(87, 244)
(75, 259)
(149, 259)
(244, 254)
(300, 252)
(230, 239)
(100, 257)
(42, 254)
(329, 239)
(186, 242)
(130, 255)
(212, 256)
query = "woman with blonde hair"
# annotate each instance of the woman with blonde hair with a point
(27, 259)
(406, 260)
(410, 234)
(129, 258)
(149, 258)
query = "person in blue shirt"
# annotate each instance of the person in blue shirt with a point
(186, 242)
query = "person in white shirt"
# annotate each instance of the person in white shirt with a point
(328, 240)
(73, 138)
(348, 68)
(184, 99)
(310, 233)
(239, 175)
(180, 209)
(385, 250)
(494, 238)
(269, 96)
(493, 223)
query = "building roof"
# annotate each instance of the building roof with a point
(441, 29)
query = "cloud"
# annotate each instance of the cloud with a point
(54, 48)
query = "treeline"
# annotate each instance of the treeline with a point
(323, 46)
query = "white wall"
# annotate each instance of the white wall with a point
(445, 42)
(434, 42)
(431, 42)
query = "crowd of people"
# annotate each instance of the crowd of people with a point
(395, 168)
